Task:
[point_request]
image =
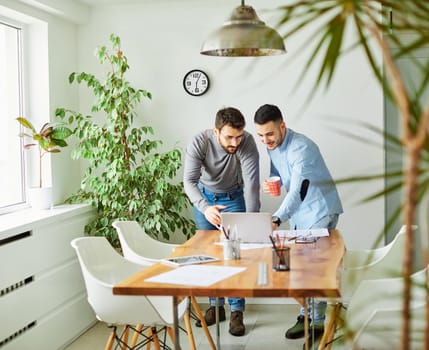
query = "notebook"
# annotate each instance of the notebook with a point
(251, 227)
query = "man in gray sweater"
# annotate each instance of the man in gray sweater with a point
(221, 173)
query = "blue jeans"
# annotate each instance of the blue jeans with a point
(234, 200)
(329, 222)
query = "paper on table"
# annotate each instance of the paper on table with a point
(314, 232)
(245, 246)
(196, 275)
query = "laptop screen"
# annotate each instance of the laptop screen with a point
(251, 227)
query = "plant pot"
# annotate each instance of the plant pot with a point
(40, 198)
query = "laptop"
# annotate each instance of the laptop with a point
(251, 227)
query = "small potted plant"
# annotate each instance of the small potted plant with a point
(48, 140)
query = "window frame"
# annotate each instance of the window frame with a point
(20, 28)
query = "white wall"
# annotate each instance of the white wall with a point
(162, 41)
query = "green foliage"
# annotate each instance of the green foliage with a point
(48, 139)
(126, 179)
(377, 25)
(336, 17)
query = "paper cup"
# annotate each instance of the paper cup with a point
(274, 185)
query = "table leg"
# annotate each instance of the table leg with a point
(311, 302)
(306, 324)
(217, 324)
(176, 323)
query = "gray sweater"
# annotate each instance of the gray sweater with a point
(207, 163)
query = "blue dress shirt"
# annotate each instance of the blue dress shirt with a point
(298, 159)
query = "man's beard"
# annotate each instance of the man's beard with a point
(230, 149)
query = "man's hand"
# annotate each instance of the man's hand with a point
(265, 187)
(212, 214)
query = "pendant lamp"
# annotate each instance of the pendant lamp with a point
(244, 34)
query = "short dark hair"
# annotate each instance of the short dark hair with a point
(230, 116)
(267, 113)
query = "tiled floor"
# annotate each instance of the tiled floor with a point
(265, 329)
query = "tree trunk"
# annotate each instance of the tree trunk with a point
(413, 156)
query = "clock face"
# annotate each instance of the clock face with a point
(196, 82)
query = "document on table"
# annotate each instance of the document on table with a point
(303, 234)
(246, 246)
(196, 275)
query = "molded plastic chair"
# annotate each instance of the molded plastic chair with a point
(102, 267)
(374, 314)
(137, 246)
(366, 264)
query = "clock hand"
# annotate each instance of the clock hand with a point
(196, 83)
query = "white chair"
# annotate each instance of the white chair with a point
(366, 264)
(102, 267)
(374, 315)
(137, 246)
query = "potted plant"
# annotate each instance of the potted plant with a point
(48, 140)
(127, 178)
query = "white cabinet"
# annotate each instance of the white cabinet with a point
(42, 295)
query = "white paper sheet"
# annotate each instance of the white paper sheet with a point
(196, 275)
(246, 246)
(303, 234)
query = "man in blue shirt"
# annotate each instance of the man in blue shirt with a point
(312, 199)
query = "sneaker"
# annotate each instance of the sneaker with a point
(210, 316)
(298, 330)
(318, 334)
(236, 325)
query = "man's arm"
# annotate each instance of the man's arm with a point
(194, 156)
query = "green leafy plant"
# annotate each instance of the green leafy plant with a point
(126, 178)
(48, 140)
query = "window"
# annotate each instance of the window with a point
(12, 184)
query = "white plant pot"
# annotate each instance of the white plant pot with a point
(40, 198)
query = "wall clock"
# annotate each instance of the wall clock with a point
(196, 82)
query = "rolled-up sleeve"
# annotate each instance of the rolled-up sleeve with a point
(192, 171)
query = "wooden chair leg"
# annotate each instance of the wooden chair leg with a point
(139, 328)
(155, 339)
(170, 332)
(110, 341)
(124, 338)
(149, 334)
(329, 333)
(149, 344)
(188, 326)
(200, 316)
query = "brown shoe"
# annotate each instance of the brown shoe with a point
(210, 316)
(236, 325)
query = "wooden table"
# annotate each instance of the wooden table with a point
(315, 272)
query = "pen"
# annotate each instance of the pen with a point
(221, 228)
(281, 259)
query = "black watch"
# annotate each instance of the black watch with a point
(276, 220)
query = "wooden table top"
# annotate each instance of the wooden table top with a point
(315, 271)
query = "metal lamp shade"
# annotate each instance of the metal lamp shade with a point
(244, 34)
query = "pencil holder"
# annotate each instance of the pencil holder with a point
(236, 250)
(281, 259)
(228, 247)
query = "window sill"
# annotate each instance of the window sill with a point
(27, 219)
